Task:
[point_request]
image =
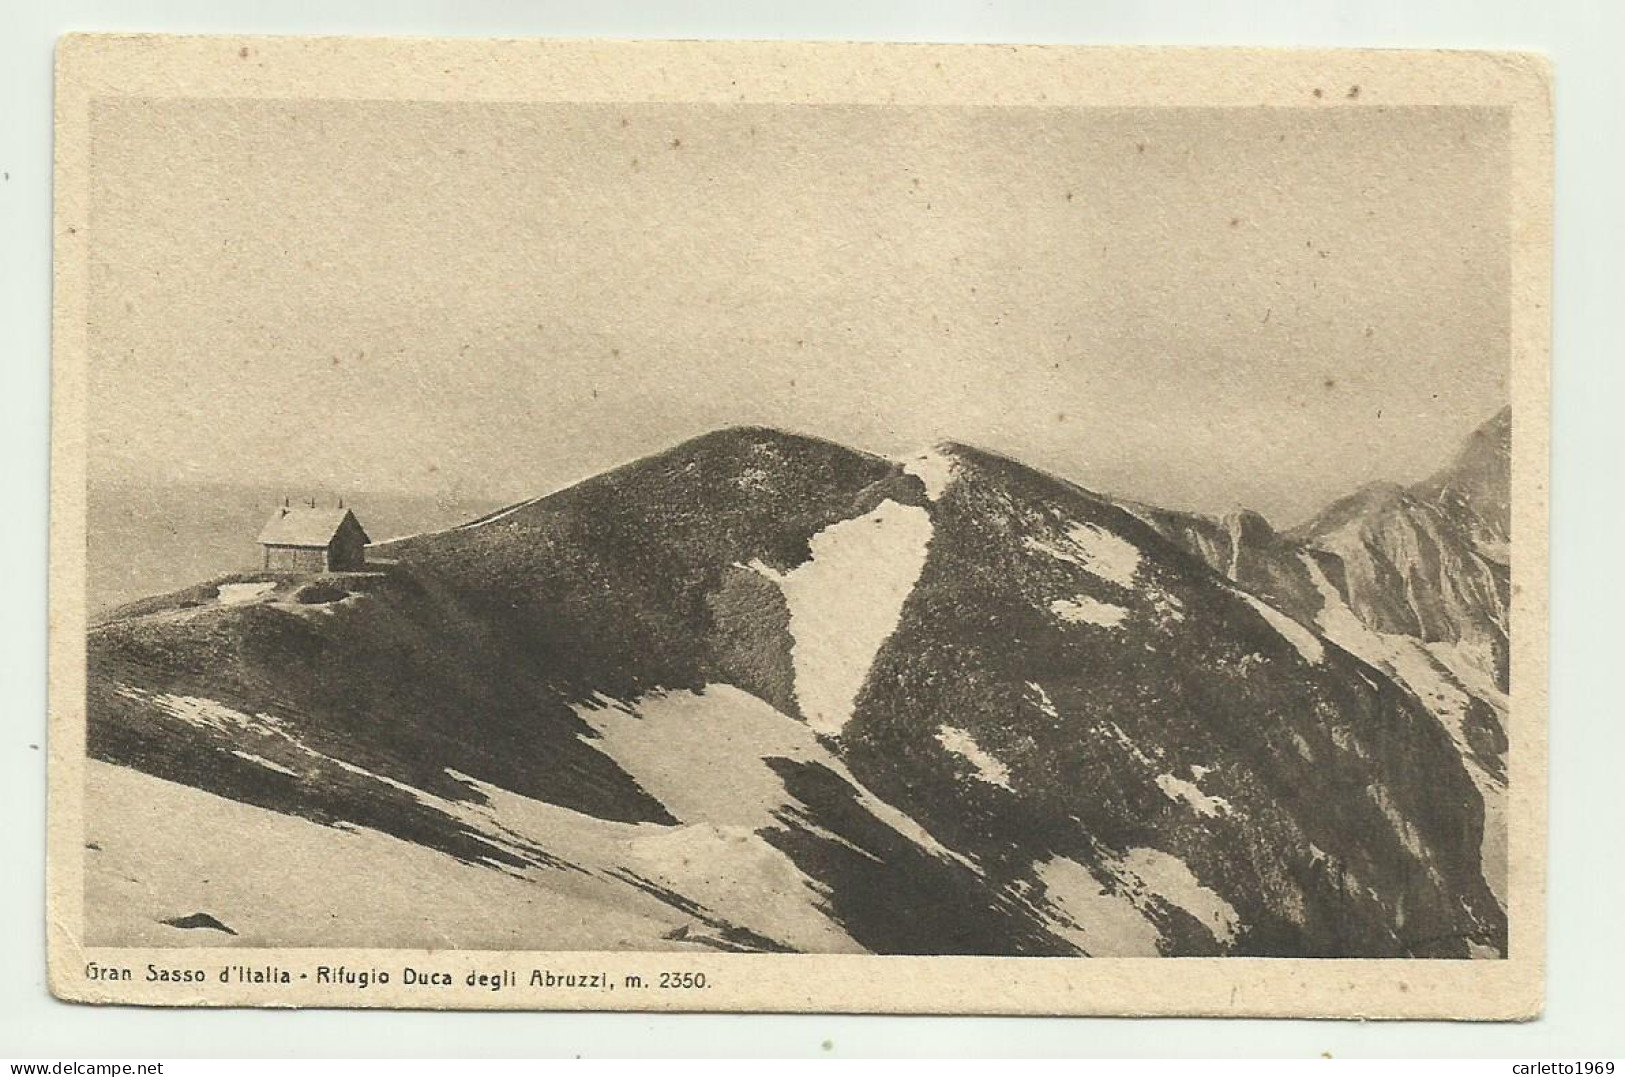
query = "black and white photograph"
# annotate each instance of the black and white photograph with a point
(1005, 506)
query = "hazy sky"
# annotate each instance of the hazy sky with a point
(1200, 308)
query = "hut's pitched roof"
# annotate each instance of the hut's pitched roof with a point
(303, 526)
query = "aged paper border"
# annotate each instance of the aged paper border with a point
(95, 66)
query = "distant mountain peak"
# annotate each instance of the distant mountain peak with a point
(1475, 488)
(1371, 499)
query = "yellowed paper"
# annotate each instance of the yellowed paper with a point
(743, 526)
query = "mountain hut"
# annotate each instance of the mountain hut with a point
(309, 539)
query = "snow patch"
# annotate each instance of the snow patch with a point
(207, 713)
(1086, 610)
(260, 760)
(1093, 549)
(513, 819)
(1116, 920)
(1178, 789)
(685, 749)
(1414, 664)
(493, 518)
(1471, 665)
(845, 602)
(1045, 703)
(1169, 609)
(1100, 922)
(1127, 744)
(423, 797)
(935, 468)
(1166, 876)
(1293, 632)
(962, 744)
(232, 594)
(216, 716)
(734, 869)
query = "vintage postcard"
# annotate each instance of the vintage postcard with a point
(799, 527)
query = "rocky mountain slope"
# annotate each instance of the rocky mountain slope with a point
(1415, 581)
(763, 692)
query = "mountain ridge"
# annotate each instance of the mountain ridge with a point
(968, 706)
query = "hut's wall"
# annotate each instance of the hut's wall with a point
(347, 552)
(296, 558)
